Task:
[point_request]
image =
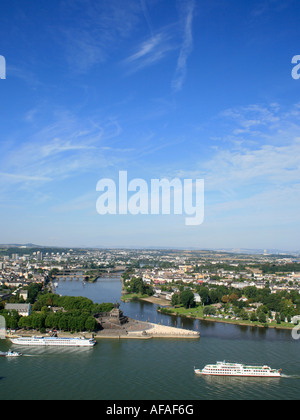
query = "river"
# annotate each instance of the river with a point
(156, 369)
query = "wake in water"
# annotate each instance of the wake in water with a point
(31, 355)
(290, 376)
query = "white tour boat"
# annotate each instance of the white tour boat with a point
(10, 354)
(238, 369)
(54, 341)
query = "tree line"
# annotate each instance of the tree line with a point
(136, 285)
(285, 304)
(72, 314)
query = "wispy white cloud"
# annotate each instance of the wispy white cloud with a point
(23, 178)
(249, 119)
(268, 6)
(68, 147)
(252, 168)
(146, 48)
(254, 174)
(22, 73)
(257, 141)
(81, 203)
(95, 29)
(58, 146)
(186, 47)
(147, 15)
(82, 50)
(151, 51)
(177, 36)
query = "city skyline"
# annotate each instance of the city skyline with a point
(160, 89)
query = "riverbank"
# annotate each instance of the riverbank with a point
(151, 299)
(196, 313)
(146, 330)
(186, 313)
(132, 329)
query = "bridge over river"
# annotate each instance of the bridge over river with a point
(89, 275)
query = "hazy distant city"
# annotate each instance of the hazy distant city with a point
(149, 199)
(215, 278)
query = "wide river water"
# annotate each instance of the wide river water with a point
(155, 369)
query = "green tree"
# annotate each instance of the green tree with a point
(250, 292)
(209, 310)
(91, 324)
(278, 318)
(187, 299)
(11, 319)
(33, 291)
(244, 315)
(214, 296)
(80, 322)
(52, 320)
(287, 307)
(25, 322)
(175, 299)
(102, 307)
(63, 323)
(136, 285)
(204, 294)
(262, 317)
(37, 321)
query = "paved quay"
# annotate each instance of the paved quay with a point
(132, 329)
(146, 330)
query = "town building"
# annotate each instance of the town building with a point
(23, 309)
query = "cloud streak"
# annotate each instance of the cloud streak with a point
(23, 178)
(186, 48)
(151, 51)
(253, 174)
(99, 28)
(177, 36)
(147, 15)
(66, 148)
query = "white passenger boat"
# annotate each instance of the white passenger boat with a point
(237, 369)
(53, 341)
(10, 354)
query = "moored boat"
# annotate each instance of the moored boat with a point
(54, 341)
(238, 369)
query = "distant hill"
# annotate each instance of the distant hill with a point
(20, 246)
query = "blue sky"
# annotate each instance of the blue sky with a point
(158, 88)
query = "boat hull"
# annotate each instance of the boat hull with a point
(53, 342)
(237, 369)
(10, 354)
(277, 375)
